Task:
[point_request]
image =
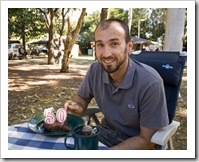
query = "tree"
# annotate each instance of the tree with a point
(138, 14)
(49, 15)
(103, 14)
(119, 13)
(130, 19)
(175, 24)
(70, 40)
(25, 24)
(61, 25)
(87, 31)
(156, 21)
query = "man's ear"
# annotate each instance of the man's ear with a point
(130, 46)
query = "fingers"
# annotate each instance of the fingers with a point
(72, 107)
(68, 103)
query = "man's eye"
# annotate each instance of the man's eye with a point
(100, 45)
(114, 44)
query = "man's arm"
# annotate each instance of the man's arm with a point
(77, 105)
(141, 142)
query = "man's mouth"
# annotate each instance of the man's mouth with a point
(108, 61)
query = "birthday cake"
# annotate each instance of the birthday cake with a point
(55, 122)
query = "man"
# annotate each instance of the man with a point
(128, 93)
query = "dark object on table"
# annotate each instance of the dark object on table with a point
(57, 126)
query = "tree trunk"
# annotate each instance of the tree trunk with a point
(62, 28)
(103, 14)
(50, 41)
(130, 19)
(49, 21)
(174, 29)
(71, 41)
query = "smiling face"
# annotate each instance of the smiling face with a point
(111, 47)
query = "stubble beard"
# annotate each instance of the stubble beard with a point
(113, 68)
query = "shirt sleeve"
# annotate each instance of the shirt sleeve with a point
(85, 89)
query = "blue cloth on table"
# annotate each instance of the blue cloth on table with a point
(20, 137)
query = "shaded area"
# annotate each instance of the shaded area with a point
(33, 86)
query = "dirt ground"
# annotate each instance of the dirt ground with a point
(33, 86)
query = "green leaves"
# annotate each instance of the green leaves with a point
(25, 21)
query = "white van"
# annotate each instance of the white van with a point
(15, 49)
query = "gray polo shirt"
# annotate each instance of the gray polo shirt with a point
(139, 99)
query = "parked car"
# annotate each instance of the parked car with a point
(15, 50)
(39, 50)
(38, 47)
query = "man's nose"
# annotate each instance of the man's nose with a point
(107, 51)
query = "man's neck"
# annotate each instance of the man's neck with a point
(117, 77)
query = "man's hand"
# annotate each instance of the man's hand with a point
(73, 108)
(77, 105)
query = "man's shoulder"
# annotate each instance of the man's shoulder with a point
(146, 72)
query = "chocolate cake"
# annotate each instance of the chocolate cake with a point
(57, 126)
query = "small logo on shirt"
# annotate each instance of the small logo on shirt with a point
(167, 66)
(131, 106)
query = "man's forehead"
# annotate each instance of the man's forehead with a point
(113, 30)
(110, 25)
